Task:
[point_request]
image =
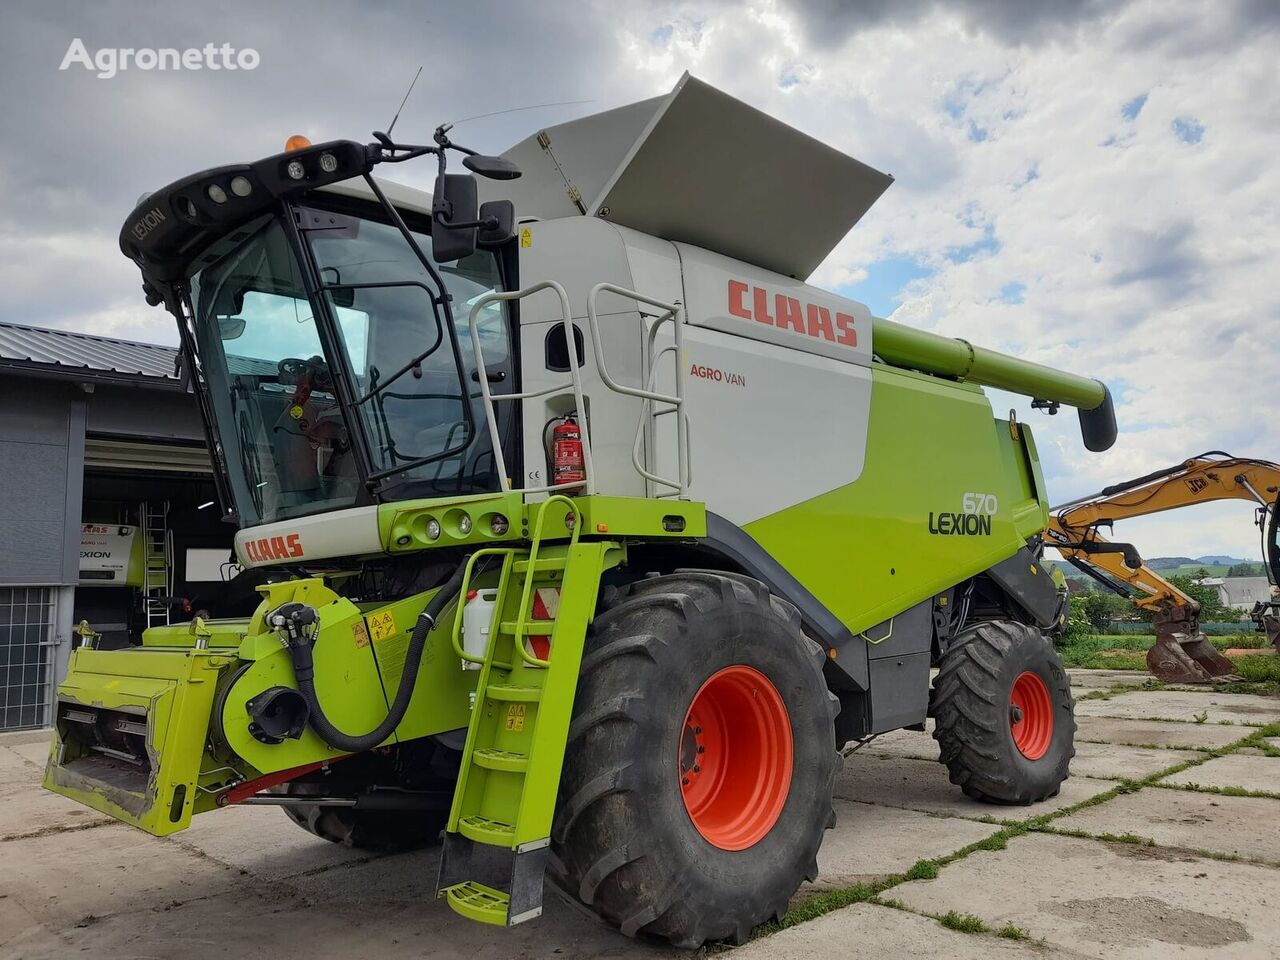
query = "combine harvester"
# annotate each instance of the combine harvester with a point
(1181, 653)
(590, 532)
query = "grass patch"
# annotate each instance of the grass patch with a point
(1126, 838)
(1259, 669)
(1132, 838)
(1011, 932)
(1241, 641)
(1129, 652)
(923, 870)
(1220, 791)
(963, 922)
(830, 900)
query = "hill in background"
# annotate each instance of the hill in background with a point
(1212, 560)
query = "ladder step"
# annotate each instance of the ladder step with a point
(549, 565)
(507, 691)
(483, 830)
(475, 901)
(530, 627)
(507, 760)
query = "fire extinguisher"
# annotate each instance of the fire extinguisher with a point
(567, 462)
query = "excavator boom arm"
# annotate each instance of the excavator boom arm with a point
(1181, 652)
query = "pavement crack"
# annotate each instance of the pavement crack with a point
(56, 829)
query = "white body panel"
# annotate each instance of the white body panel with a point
(746, 301)
(768, 427)
(323, 536)
(580, 253)
(760, 370)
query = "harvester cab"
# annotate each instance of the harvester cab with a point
(593, 530)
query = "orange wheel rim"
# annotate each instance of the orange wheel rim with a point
(735, 758)
(1031, 715)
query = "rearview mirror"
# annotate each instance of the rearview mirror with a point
(503, 213)
(455, 201)
(230, 328)
(492, 168)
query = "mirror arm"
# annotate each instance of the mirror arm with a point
(488, 223)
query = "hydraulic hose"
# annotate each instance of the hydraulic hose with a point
(300, 649)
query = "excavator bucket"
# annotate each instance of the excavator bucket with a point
(1188, 658)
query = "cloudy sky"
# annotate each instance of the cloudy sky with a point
(1086, 183)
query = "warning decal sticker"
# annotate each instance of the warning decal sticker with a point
(515, 717)
(382, 625)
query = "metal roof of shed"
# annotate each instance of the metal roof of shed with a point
(73, 353)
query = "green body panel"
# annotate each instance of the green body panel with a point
(359, 658)
(866, 550)
(403, 526)
(170, 693)
(220, 633)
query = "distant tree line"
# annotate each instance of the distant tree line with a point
(1094, 610)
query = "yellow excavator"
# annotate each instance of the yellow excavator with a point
(1181, 654)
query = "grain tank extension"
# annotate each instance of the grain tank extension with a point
(588, 532)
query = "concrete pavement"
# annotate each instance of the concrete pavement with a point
(1163, 841)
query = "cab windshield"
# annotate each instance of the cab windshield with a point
(315, 412)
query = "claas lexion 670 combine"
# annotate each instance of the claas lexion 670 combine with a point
(588, 532)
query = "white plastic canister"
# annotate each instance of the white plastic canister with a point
(477, 615)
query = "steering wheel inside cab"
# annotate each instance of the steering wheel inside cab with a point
(312, 373)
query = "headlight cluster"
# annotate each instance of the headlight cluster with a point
(453, 525)
(296, 168)
(222, 190)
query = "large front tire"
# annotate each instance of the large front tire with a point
(700, 763)
(421, 767)
(378, 831)
(1004, 715)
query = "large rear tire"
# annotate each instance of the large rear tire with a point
(1004, 715)
(698, 775)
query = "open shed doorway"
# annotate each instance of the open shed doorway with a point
(154, 550)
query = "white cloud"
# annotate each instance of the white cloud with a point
(1144, 260)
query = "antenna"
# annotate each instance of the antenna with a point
(532, 106)
(404, 101)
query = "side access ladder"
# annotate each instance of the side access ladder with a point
(157, 562)
(499, 831)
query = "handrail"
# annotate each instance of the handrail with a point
(534, 543)
(575, 377)
(675, 313)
